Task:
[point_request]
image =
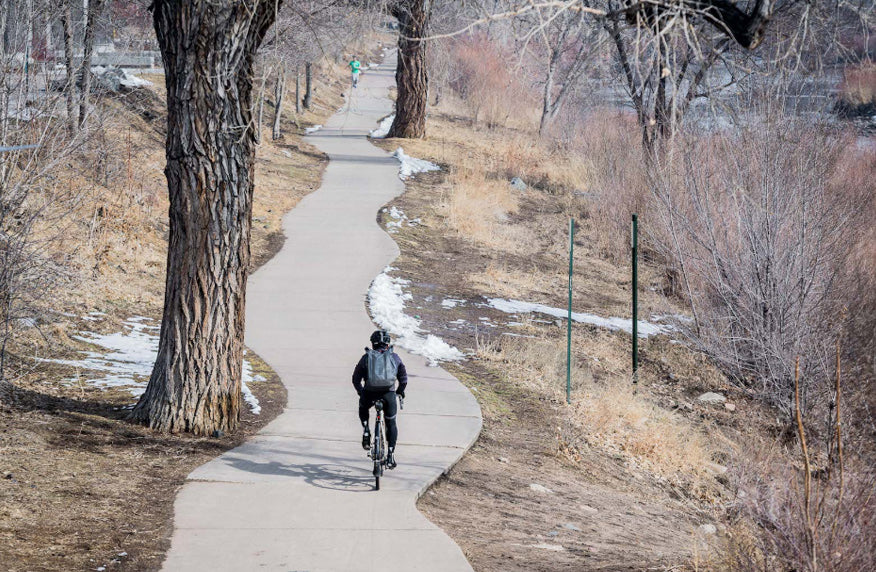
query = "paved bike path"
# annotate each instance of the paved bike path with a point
(298, 496)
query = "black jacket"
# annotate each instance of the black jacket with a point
(361, 373)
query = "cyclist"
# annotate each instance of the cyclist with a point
(372, 389)
(355, 68)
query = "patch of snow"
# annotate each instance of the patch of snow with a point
(452, 303)
(125, 359)
(517, 307)
(399, 220)
(131, 81)
(247, 377)
(411, 165)
(127, 79)
(314, 129)
(383, 128)
(386, 299)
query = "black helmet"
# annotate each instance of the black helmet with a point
(380, 338)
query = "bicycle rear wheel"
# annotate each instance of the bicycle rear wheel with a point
(379, 451)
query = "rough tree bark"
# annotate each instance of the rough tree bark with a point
(70, 87)
(411, 77)
(308, 85)
(279, 90)
(94, 9)
(298, 90)
(3, 19)
(208, 48)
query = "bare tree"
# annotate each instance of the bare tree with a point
(95, 7)
(208, 48)
(34, 203)
(569, 40)
(70, 86)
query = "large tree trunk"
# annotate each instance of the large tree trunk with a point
(4, 87)
(208, 48)
(94, 9)
(297, 91)
(308, 85)
(279, 90)
(411, 78)
(70, 86)
(4, 10)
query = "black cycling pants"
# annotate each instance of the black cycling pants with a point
(390, 410)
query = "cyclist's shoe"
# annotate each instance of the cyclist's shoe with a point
(390, 460)
(366, 439)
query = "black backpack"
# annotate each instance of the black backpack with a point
(382, 369)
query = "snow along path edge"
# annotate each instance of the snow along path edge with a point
(299, 495)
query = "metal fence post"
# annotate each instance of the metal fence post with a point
(634, 247)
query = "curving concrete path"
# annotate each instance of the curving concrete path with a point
(298, 496)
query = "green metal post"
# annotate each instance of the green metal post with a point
(634, 246)
(569, 322)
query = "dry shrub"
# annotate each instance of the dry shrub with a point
(817, 513)
(855, 175)
(758, 232)
(858, 87)
(483, 79)
(608, 413)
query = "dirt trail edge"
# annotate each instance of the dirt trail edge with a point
(298, 496)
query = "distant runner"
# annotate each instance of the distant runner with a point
(356, 67)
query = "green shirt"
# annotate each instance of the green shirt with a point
(355, 65)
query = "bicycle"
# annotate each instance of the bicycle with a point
(378, 444)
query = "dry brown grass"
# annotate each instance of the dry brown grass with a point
(501, 280)
(611, 416)
(479, 209)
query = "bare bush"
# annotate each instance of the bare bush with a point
(608, 142)
(819, 514)
(757, 230)
(34, 201)
(484, 81)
